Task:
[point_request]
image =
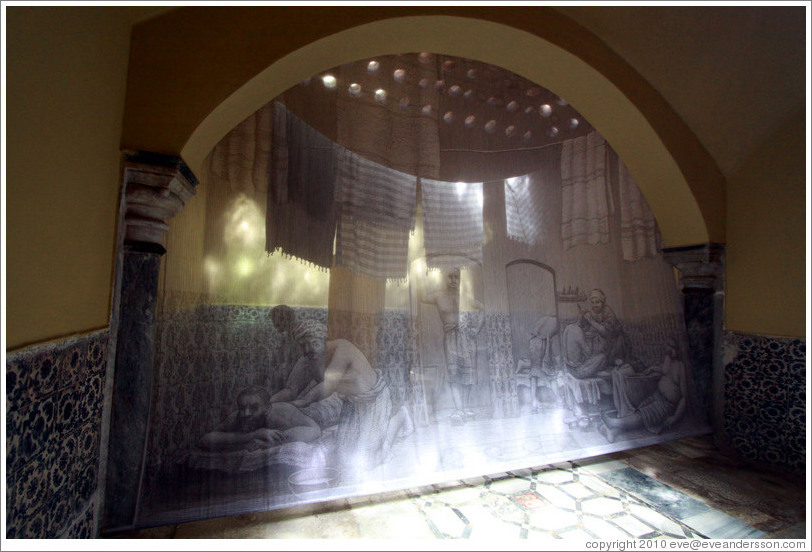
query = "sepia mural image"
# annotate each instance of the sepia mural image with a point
(343, 314)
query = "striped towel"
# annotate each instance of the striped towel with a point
(523, 208)
(452, 214)
(376, 213)
(300, 219)
(585, 201)
(639, 233)
(242, 158)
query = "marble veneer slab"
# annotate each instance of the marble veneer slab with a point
(673, 503)
(664, 498)
(718, 525)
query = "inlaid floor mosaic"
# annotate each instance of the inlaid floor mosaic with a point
(604, 497)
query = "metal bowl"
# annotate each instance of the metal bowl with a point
(313, 479)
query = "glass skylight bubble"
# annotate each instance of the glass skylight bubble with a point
(552, 132)
(490, 126)
(373, 66)
(468, 94)
(427, 109)
(471, 73)
(470, 121)
(425, 57)
(493, 100)
(510, 131)
(424, 83)
(380, 95)
(448, 117)
(354, 89)
(439, 85)
(399, 75)
(513, 106)
(529, 109)
(449, 65)
(545, 110)
(527, 136)
(455, 90)
(533, 92)
(329, 81)
(574, 123)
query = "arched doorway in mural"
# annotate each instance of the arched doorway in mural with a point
(534, 330)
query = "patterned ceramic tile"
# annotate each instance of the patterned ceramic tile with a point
(765, 399)
(54, 407)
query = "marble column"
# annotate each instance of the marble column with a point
(701, 282)
(155, 188)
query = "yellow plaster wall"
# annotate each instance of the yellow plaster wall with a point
(67, 72)
(65, 83)
(766, 249)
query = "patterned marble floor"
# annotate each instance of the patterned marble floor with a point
(678, 490)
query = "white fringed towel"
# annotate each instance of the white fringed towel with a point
(639, 233)
(585, 201)
(452, 215)
(523, 208)
(376, 214)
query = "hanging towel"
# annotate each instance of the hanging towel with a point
(523, 208)
(585, 201)
(300, 218)
(453, 223)
(376, 214)
(242, 158)
(372, 249)
(639, 233)
(375, 193)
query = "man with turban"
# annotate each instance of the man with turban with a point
(596, 340)
(368, 423)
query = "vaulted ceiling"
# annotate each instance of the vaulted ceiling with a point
(733, 73)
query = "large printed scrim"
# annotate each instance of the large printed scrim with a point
(459, 298)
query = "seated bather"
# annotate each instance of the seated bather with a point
(595, 341)
(661, 408)
(592, 347)
(368, 423)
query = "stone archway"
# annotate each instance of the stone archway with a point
(665, 159)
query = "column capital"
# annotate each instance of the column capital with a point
(156, 187)
(699, 266)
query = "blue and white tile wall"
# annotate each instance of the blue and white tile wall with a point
(54, 402)
(765, 400)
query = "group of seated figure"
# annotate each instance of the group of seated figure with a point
(331, 386)
(595, 362)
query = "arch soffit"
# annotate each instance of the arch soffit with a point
(602, 103)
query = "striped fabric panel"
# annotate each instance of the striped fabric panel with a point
(640, 235)
(370, 248)
(453, 223)
(377, 211)
(585, 201)
(523, 208)
(300, 217)
(373, 192)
